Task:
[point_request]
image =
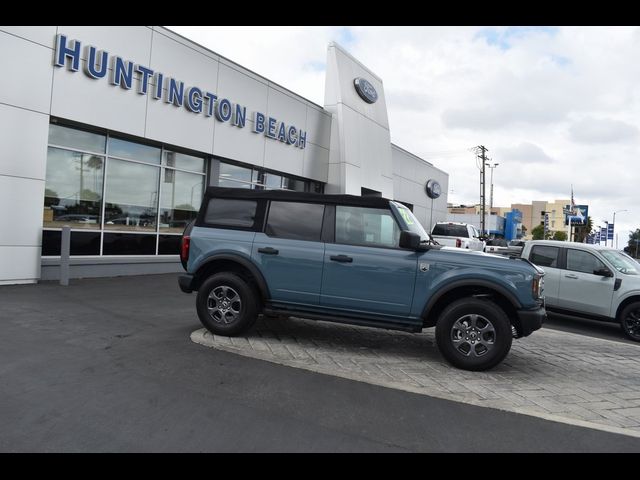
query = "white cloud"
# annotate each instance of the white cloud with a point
(555, 106)
(602, 130)
(525, 152)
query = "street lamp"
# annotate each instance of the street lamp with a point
(614, 225)
(491, 197)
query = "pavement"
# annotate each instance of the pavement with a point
(550, 374)
(108, 365)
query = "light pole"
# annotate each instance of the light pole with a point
(614, 225)
(491, 194)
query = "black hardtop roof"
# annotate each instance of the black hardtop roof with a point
(285, 195)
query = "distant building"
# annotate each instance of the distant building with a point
(533, 215)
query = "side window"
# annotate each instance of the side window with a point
(374, 227)
(545, 256)
(231, 213)
(298, 221)
(579, 261)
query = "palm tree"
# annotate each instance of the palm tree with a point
(580, 233)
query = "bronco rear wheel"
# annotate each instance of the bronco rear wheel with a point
(474, 334)
(226, 304)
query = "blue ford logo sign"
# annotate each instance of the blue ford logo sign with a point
(366, 91)
(433, 189)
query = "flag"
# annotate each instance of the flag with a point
(573, 203)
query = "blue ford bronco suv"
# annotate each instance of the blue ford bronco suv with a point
(357, 260)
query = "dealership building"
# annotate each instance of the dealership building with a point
(117, 131)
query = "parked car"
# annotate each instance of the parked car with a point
(511, 249)
(496, 245)
(460, 235)
(589, 280)
(515, 247)
(358, 260)
(77, 218)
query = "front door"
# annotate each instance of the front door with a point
(580, 289)
(365, 270)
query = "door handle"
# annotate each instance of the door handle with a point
(341, 258)
(268, 251)
(571, 275)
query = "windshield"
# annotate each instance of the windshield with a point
(411, 222)
(621, 262)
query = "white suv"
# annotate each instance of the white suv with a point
(589, 280)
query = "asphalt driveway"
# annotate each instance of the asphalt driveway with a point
(108, 365)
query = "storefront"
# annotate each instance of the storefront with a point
(117, 131)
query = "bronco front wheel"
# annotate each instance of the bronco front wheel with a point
(630, 321)
(474, 334)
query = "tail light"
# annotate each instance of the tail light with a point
(458, 243)
(184, 248)
(538, 286)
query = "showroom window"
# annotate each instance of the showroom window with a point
(235, 176)
(120, 197)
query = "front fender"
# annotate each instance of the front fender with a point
(448, 279)
(491, 285)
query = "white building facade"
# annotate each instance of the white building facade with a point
(117, 131)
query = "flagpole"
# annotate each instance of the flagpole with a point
(569, 216)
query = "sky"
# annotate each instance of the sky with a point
(555, 106)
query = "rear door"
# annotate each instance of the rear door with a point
(365, 270)
(290, 252)
(580, 289)
(548, 257)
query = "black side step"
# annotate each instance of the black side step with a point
(361, 321)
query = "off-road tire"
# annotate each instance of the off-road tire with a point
(473, 334)
(630, 321)
(227, 304)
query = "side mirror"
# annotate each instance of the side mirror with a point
(604, 272)
(409, 240)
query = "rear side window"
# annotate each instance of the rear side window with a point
(298, 221)
(447, 230)
(545, 256)
(231, 213)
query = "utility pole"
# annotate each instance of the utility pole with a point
(481, 160)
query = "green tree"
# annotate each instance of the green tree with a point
(560, 235)
(89, 195)
(634, 239)
(184, 206)
(50, 197)
(538, 232)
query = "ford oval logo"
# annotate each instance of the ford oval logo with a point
(433, 189)
(366, 91)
